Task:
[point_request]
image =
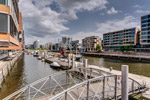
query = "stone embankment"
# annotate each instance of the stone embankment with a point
(6, 66)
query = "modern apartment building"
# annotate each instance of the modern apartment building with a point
(126, 37)
(89, 43)
(11, 30)
(145, 32)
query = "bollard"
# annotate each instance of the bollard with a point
(69, 60)
(73, 61)
(124, 85)
(85, 68)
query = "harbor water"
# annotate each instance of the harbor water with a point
(29, 69)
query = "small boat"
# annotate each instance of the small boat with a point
(35, 55)
(78, 56)
(54, 65)
(43, 60)
(39, 58)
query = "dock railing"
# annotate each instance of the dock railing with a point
(66, 82)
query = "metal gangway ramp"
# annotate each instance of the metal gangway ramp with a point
(72, 85)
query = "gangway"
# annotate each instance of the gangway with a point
(72, 85)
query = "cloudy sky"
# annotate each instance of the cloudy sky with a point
(49, 20)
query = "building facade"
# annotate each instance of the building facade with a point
(112, 41)
(66, 42)
(90, 43)
(145, 32)
(75, 44)
(49, 46)
(11, 30)
(36, 44)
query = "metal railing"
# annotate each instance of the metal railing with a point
(53, 84)
(74, 84)
(99, 88)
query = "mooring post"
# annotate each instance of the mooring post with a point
(124, 85)
(103, 93)
(85, 68)
(69, 60)
(73, 61)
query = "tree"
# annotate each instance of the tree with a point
(97, 47)
(125, 48)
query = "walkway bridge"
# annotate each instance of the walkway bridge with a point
(73, 85)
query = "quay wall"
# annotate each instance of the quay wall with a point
(6, 66)
(130, 57)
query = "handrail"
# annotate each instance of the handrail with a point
(85, 83)
(60, 73)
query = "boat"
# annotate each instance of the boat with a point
(78, 56)
(54, 65)
(39, 58)
(35, 55)
(43, 60)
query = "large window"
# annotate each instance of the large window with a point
(4, 2)
(3, 23)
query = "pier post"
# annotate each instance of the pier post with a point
(124, 85)
(73, 61)
(85, 68)
(69, 60)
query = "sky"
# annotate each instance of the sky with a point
(49, 20)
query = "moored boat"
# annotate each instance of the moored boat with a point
(39, 58)
(54, 65)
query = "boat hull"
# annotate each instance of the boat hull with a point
(55, 67)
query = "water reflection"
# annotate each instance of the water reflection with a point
(134, 67)
(27, 70)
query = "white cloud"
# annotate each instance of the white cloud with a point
(40, 20)
(114, 25)
(81, 4)
(137, 6)
(112, 11)
(143, 11)
(109, 26)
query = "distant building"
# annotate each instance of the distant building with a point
(145, 33)
(42, 46)
(56, 46)
(49, 46)
(75, 44)
(65, 43)
(112, 41)
(90, 43)
(29, 46)
(36, 44)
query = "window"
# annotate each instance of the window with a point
(4, 2)
(3, 23)
(145, 17)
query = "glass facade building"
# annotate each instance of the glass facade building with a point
(145, 31)
(125, 37)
